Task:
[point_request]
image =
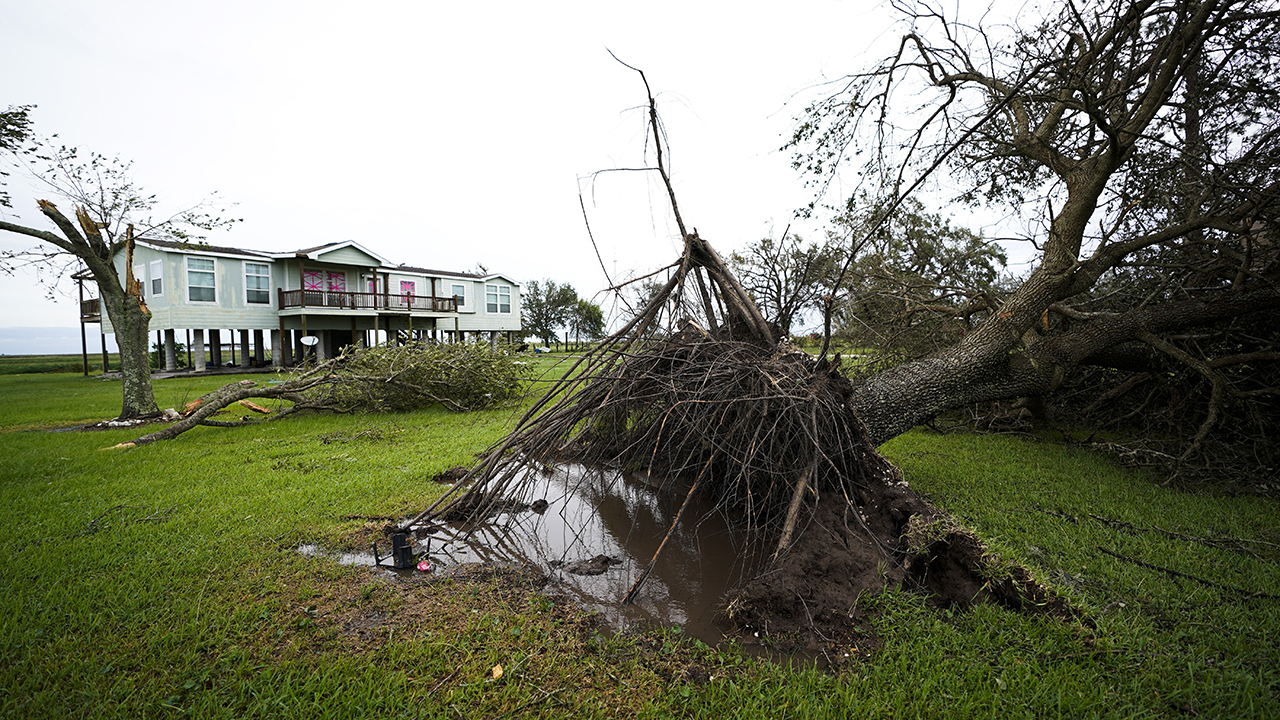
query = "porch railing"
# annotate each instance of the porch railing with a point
(344, 300)
(91, 310)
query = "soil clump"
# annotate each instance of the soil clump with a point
(807, 600)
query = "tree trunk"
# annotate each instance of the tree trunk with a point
(131, 320)
(896, 400)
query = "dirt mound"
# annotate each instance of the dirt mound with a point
(451, 476)
(808, 599)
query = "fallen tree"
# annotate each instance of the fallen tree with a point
(385, 378)
(696, 389)
(770, 433)
(1139, 145)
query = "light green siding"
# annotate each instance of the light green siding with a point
(173, 309)
(348, 256)
(483, 320)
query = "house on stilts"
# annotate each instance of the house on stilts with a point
(253, 308)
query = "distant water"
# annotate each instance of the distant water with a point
(50, 340)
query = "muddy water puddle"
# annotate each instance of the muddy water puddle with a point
(596, 533)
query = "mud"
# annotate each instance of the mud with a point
(808, 599)
(592, 533)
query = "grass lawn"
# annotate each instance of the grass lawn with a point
(22, 364)
(164, 581)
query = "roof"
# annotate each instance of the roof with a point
(426, 271)
(308, 251)
(313, 252)
(200, 247)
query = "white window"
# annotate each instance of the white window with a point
(201, 285)
(497, 298)
(157, 277)
(257, 283)
(139, 275)
(460, 294)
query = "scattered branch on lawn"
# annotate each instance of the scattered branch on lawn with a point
(1248, 594)
(379, 379)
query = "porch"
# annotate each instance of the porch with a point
(346, 300)
(91, 310)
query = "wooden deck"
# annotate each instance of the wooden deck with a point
(91, 310)
(343, 300)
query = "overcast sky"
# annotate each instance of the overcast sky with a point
(436, 134)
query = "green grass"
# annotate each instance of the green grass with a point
(21, 364)
(51, 400)
(163, 581)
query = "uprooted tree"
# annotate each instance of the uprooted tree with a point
(1078, 113)
(698, 388)
(1140, 142)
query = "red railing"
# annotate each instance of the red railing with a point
(343, 300)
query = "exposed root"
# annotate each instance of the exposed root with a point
(717, 406)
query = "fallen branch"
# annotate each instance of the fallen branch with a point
(458, 377)
(92, 526)
(226, 395)
(635, 587)
(1176, 574)
(255, 407)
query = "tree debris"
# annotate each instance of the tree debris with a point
(696, 390)
(459, 377)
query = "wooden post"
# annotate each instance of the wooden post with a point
(198, 339)
(277, 347)
(105, 363)
(84, 342)
(170, 352)
(279, 357)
